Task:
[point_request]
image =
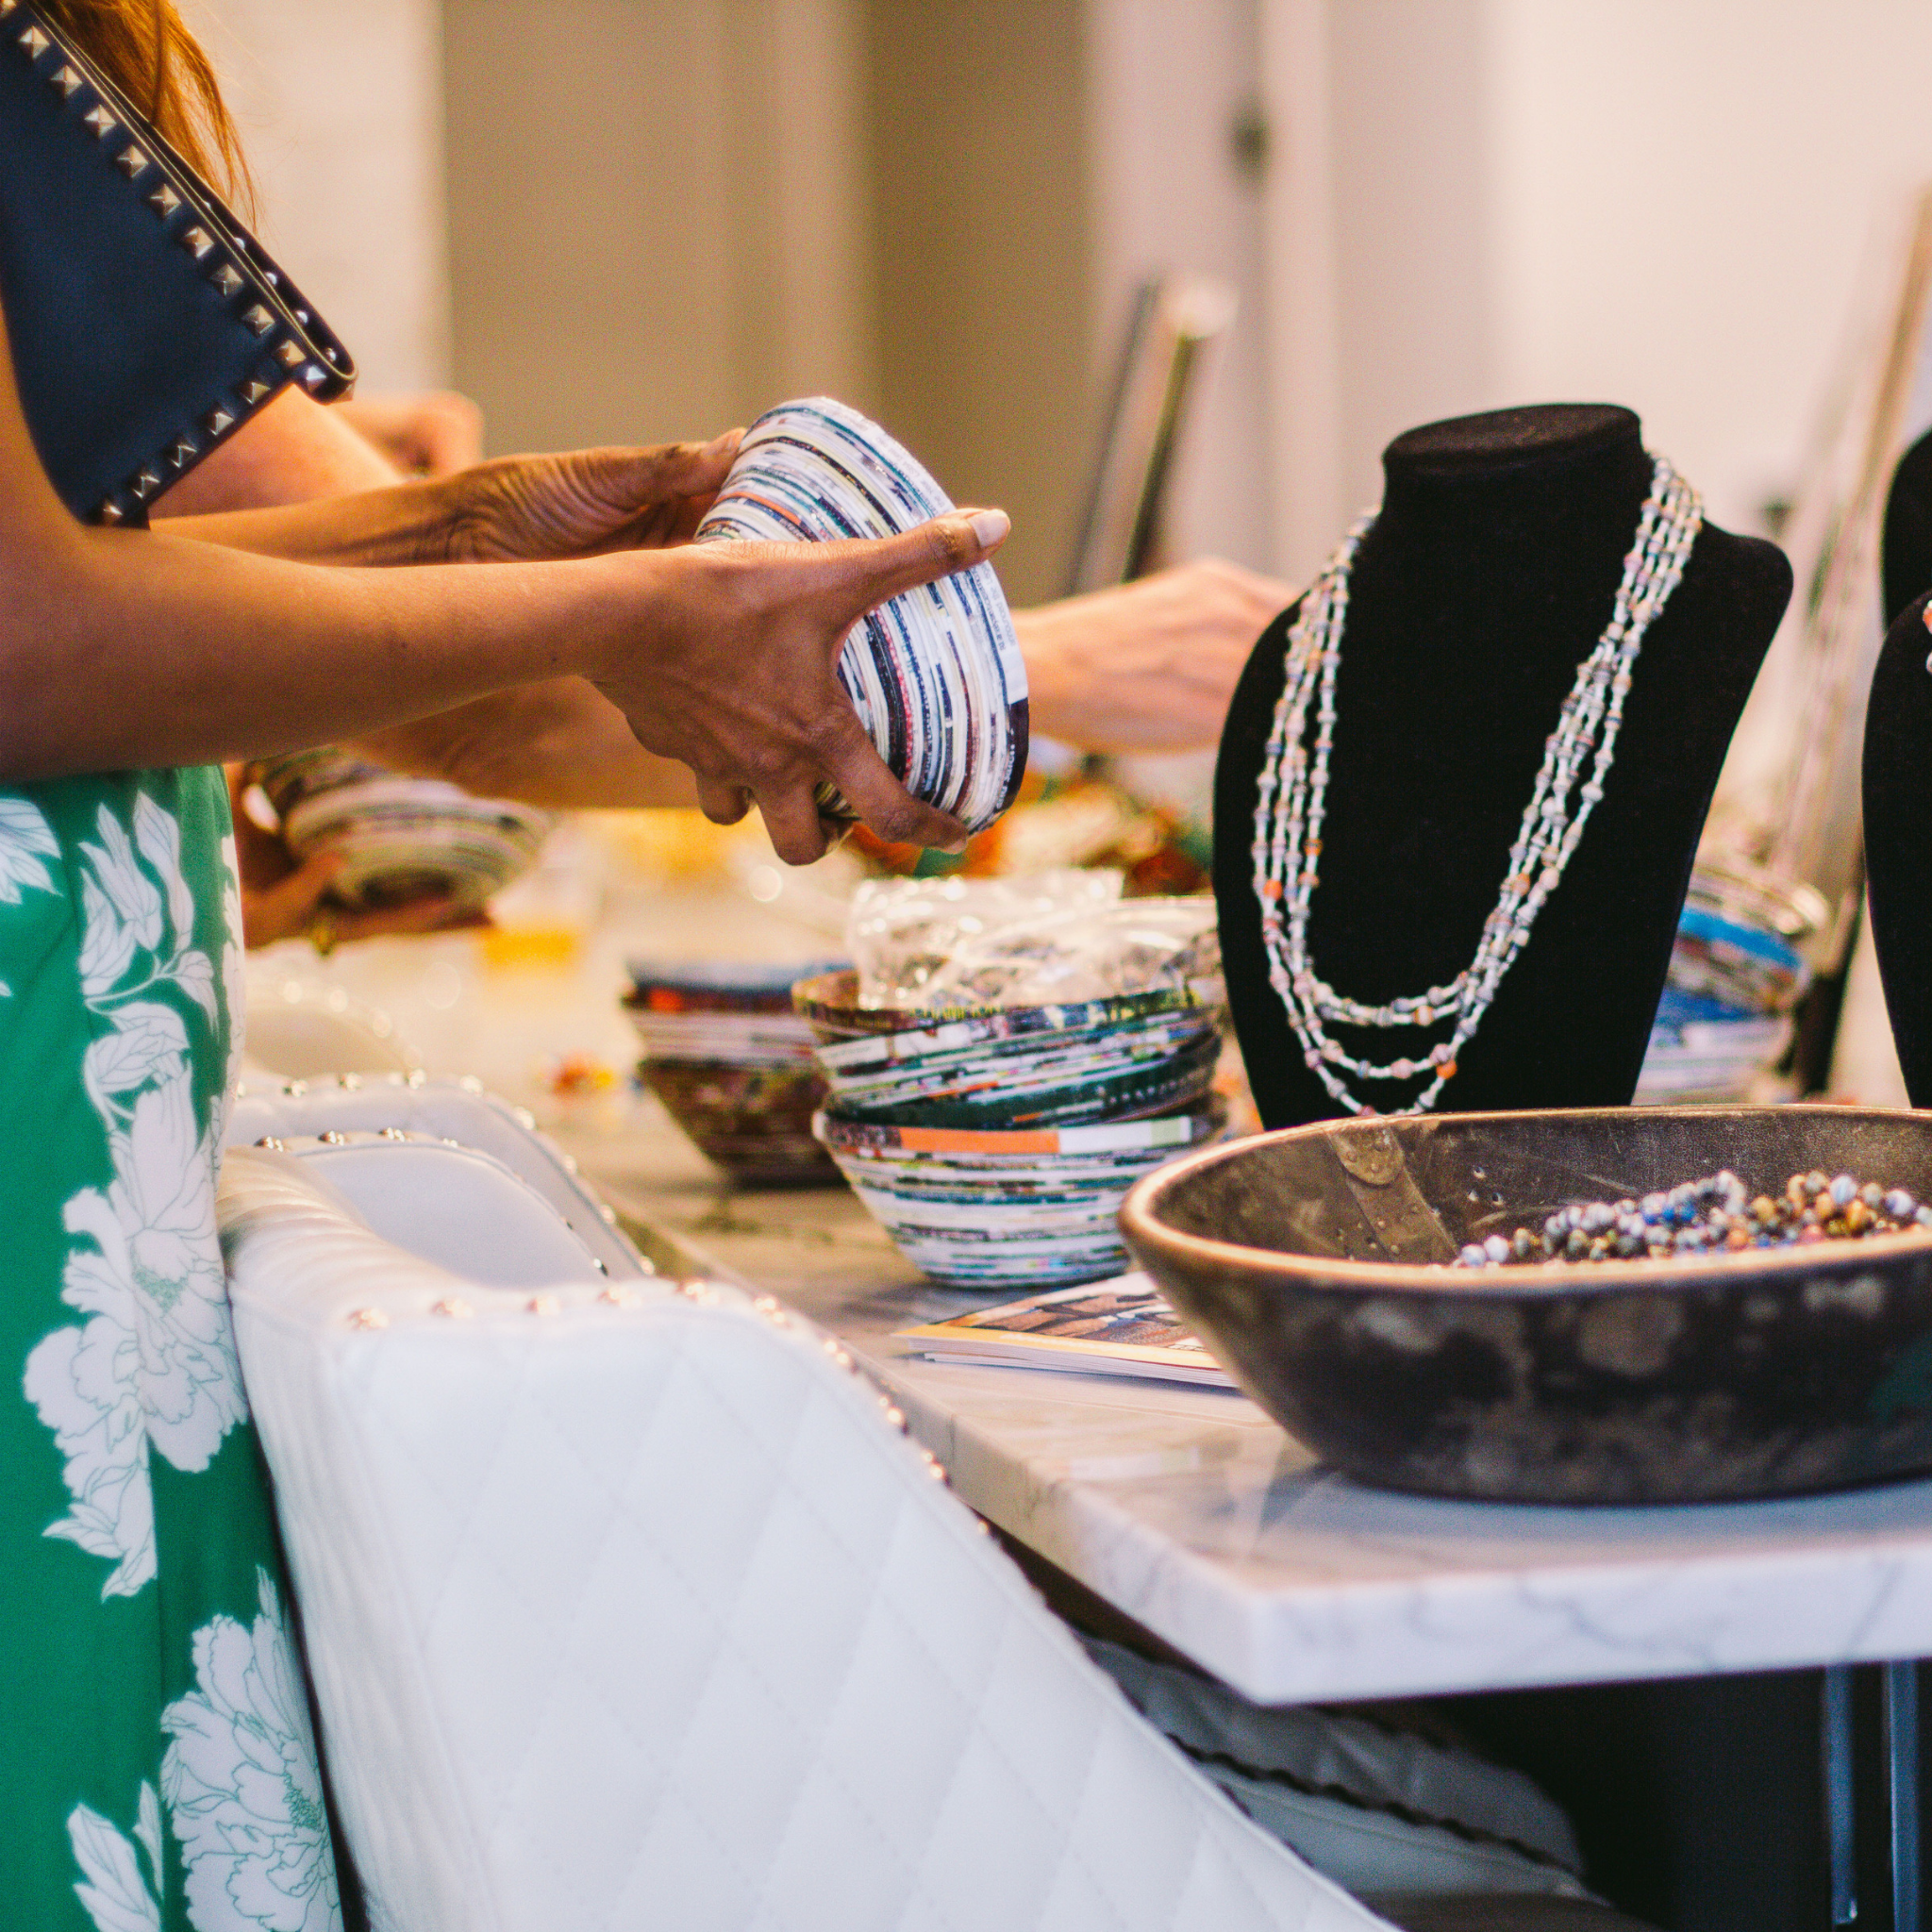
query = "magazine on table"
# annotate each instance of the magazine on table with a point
(1120, 1326)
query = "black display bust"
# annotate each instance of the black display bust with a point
(1907, 559)
(1487, 579)
(1898, 836)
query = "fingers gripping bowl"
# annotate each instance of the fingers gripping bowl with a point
(1313, 1262)
(935, 674)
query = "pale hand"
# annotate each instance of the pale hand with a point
(1149, 666)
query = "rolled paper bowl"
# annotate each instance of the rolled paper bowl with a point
(828, 1002)
(1007, 1211)
(935, 673)
(754, 1123)
(1309, 1261)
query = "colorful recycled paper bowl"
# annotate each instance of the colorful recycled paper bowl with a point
(399, 838)
(1011, 1067)
(992, 1210)
(935, 674)
(753, 1122)
(733, 1064)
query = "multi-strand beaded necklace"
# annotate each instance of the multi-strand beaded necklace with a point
(1292, 800)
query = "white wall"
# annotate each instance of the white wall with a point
(1168, 86)
(339, 104)
(1663, 203)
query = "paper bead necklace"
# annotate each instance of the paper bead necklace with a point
(1293, 799)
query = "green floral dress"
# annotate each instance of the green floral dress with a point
(156, 1757)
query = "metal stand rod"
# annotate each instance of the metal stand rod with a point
(1835, 1748)
(1901, 1773)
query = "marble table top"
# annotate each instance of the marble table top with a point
(1197, 1516)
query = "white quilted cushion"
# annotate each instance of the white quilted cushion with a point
(638, 1613)
(456, 1110)
(453, 1207)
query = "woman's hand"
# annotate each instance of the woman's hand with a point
(514, 509)
(1150, 666)
(582, 503)
(736, 680)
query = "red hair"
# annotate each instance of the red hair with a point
(146, 49)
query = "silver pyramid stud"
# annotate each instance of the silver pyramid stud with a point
(259, 319)
(314, 375)
(288, 354)
(146, 481)
(253, 392)
(164, 201)
(130, 161)
(227, 278)
(7, 6)
(217, 421)
(99, 121)
(35, 41)
(185, 449)
(199, 243)
(66, 81)
(110, 513)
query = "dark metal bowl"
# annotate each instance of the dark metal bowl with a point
(1309, 1261)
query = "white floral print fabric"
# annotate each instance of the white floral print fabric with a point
(241, 1783)
(118, 1894)
(154, 1363)
(121, 998)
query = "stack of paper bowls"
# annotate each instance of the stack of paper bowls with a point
(733, 1065)
(399, 838)
(994, 1144)
(936, 675)
(1726, 1018)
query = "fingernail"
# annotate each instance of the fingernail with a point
(719, 445)
(957, 847)
(990, 526)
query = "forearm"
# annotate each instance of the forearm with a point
(380, 525)
(560, 744)
(123, 649)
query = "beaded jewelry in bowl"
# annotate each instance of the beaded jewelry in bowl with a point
(1715, 1215)
(1293, 797)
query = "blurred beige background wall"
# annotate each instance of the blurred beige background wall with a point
(339, 104)
(650, 218)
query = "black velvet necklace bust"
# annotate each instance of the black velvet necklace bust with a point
(1485, 582)
(1905, 567)
(1898, 836)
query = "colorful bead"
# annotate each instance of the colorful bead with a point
(1708, 1216)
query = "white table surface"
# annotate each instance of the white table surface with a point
(1187, 1508)
(1201, 1519)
